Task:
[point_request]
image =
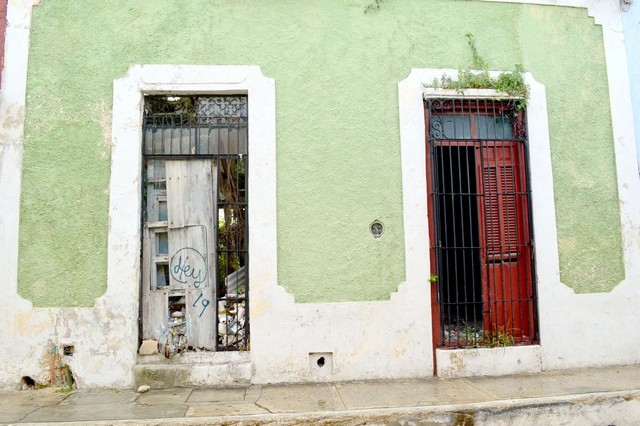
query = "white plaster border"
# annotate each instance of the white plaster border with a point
(12, 113)
(572, 326)
(411, 94)
(284, 334)
(123, 270)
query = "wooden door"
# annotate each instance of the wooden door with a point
(505, 240)
(191, 193)
(179, 261)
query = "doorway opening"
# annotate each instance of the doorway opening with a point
(195, 290)
(460, 267)
(479, 224)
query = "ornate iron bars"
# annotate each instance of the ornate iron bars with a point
(187, 142)
(479, 210)
(479, 119)
(195, 125)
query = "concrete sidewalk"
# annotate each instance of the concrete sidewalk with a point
(604, 396)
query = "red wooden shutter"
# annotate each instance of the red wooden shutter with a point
(500, 209)
(504, 239)
(491, 210)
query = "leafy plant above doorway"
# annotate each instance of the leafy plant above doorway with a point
(478, 77)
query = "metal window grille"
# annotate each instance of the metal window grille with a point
(479, 209)
(208, 127)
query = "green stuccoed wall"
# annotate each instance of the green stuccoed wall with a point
(338, 150)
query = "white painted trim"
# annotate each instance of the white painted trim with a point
(412, 138)
(283, 333)
(123, 273)
(430, 92)
(572, 326)
(597, 8)
(12, 113)
(411, 92)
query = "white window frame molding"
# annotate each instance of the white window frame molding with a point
(125, 192)
(411, 92)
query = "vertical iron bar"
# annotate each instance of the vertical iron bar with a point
(440, 255)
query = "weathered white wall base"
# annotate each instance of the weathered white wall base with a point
(368, 340)
(498, 361)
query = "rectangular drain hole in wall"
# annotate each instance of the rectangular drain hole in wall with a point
(321, 363)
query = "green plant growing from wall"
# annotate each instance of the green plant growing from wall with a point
(67, 379)
(478, 77)
(498, 338)
(479, 63)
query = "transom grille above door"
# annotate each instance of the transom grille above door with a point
(195, 126)
(483, 290)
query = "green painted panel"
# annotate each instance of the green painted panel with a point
(585, 183)
(338, 150)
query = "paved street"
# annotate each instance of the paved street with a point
(605, 396)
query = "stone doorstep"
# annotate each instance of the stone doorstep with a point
(197, 375)
(200, 357)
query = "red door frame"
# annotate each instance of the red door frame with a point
(472, 109)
